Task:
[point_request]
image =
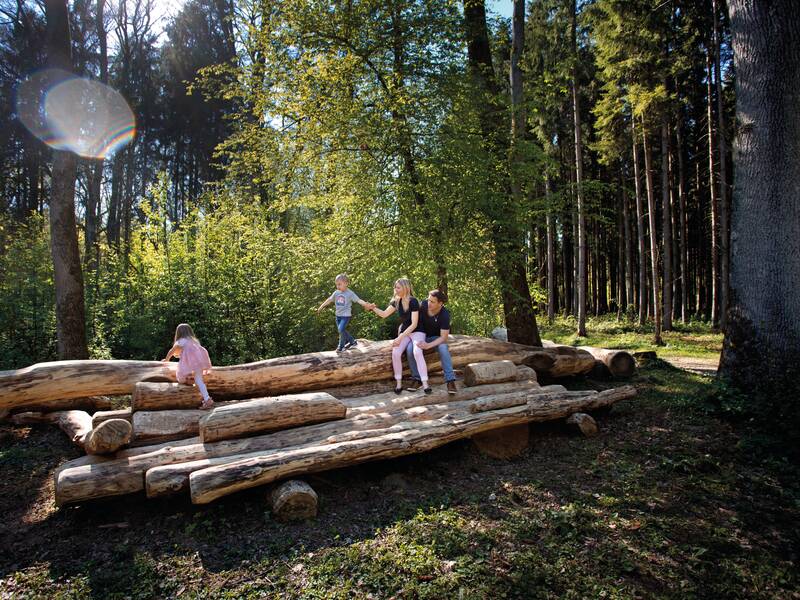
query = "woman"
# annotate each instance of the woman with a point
(407, 307)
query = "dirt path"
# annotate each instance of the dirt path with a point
(703, 366)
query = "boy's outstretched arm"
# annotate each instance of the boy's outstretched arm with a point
(324, 304)
(366, 305)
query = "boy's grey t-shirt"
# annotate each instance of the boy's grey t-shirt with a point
(343, 301)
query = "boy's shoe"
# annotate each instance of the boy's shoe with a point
(414, 385)
(451, 388)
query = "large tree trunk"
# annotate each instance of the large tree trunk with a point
(506, 234)
(684, 246)
(712, 187)
(317, 370)
(576, 116)
(68, 276)
(666, 222)
(208, 484)
(640, 230)
(724, 237)
(763, 335)
(651, 206)
(551, 255)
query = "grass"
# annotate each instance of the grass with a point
(692, 340)
(667, 502)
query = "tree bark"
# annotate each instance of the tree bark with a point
(506, 235)
(576, 114)
(712, 186)
(684, 246)
(68, 276)
(651, 206)
(763, 334)
(724, 237)
(666, 224)
(640, 230)
(108, 436)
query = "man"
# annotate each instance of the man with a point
(434, 320)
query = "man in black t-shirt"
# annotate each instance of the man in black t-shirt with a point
(434, 320)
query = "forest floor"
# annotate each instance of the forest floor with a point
(669, 501)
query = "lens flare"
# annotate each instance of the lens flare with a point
(72, 113)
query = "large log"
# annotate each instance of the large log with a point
(109, 436)
(90, 404)
(293, 501)
(269, 414)
(104, 415)
(149, 395)
(569, 360)
(44, 382)
(214, 482)
(75, 423)
(152, 426)
(496, 371)
(618, 363)
(77, 481)
(172, 478)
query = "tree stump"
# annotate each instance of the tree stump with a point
(504, 443)
(584, 423)
(109, 436)
(293, 501)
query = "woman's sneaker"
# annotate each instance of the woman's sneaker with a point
(428, 391)
(414, 385)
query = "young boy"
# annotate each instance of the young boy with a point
(343, 299)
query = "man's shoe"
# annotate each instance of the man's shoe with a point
(414, 385)
(349, 345)
(451, 388)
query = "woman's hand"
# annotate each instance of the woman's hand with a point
(396, 341)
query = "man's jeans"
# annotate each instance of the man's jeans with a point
(444, 357)
(344, 335)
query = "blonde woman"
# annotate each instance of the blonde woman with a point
(407, 307)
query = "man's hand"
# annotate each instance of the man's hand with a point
(423, 345)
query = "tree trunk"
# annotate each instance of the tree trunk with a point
(651, 206)
(712, 186)
(640, 230)
(506, 235)
(666, 224)
(68, 276)
(684, 246)
(763, 334)
(724, 237)
(551, 255)
(576, 114)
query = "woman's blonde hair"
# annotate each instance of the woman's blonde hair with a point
(406, 285)
(184, 330)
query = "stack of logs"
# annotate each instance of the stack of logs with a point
(301, 414)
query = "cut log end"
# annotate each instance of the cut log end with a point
(109, 436)
(497, 371)
(583, 423)
(293, 501)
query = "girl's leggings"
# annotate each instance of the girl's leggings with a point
(201, 385)
(397, 356)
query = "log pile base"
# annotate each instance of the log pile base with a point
(505, 443)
